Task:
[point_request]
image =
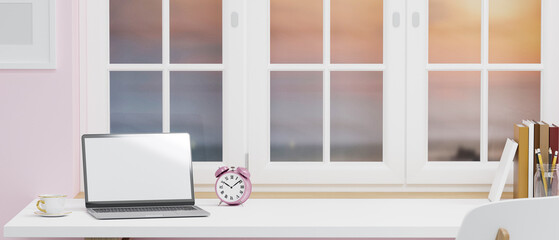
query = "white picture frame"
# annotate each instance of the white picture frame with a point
(27, 34)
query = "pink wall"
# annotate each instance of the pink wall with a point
(39, 124)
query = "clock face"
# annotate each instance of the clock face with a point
(230, 187)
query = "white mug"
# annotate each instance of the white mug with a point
(51, 203)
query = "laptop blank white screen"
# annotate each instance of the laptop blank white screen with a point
(138, 167)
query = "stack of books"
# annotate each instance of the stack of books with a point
(531, 135)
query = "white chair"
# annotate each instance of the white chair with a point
(521, 219)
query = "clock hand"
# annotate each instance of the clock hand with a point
(227, 184)
(236, 183)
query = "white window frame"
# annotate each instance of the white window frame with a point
(245, 82)
(388, 172)
(419, 169)
(95, 114)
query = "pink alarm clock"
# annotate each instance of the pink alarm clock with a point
(233, 185)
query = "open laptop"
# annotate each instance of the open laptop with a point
(138, 176)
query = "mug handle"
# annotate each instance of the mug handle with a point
(38, 207)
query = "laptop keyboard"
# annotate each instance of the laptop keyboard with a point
(143, 209)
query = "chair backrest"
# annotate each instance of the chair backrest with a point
(523, 219)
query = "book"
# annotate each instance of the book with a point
(553, 138)
(503, 170)
(536, 144)
(531, 150)
(521, 171)
(544, 141)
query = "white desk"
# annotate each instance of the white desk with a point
(287, 218)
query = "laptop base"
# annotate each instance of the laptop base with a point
(195, 212)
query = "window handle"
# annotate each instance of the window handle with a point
(415, 19)
(396, 19)
(234, 19)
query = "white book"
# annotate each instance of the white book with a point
(530, 125)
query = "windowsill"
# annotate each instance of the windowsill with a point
(354, 195)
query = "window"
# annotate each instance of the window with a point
(474, 77)
(320, 94)
(324, 82)
(168, 66)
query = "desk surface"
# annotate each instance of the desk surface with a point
(438, 218)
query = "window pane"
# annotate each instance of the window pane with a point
(454, 116)
(136, 102)
(195, 31)
(356, 116)
(135, 34)
(356, 31)
(296, 31)
(196, 108)
(514, 31)
(513, 97)
(296, 116)
(454, 31)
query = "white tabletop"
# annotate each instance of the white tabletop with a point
(287, 218)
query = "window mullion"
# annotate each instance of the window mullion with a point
(166, 33)
(484, 121)
(166, 101)
(166, 84)
(485, 33)
(484, 141)
(326, 81)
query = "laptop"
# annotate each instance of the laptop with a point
(138, 176)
